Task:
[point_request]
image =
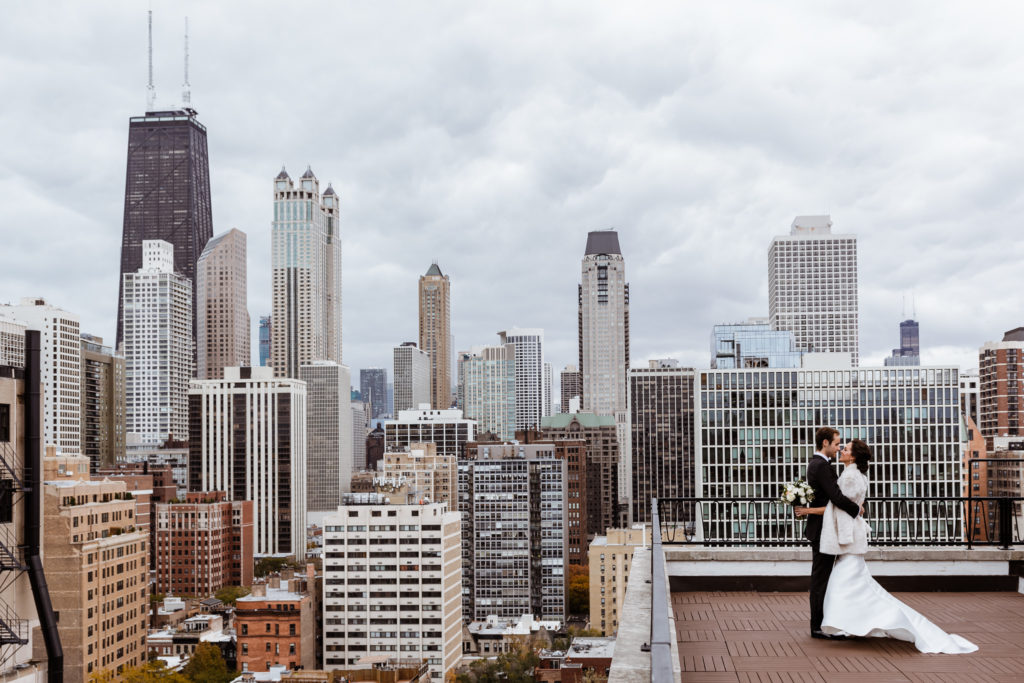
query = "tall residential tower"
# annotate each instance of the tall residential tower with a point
(436, 334)
(306, 261)
(604, 325)
(223, 316)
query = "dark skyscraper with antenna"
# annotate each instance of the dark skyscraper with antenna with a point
(167, 188)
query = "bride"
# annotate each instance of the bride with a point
(855, 604)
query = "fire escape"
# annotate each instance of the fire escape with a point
(13, 629)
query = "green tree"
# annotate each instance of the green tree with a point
(269, 565)
(229, 594)
(207, 665)
(153, 672)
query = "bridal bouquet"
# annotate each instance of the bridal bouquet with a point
(796, 493)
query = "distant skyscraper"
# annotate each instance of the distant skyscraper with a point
(571, 386)
(436, 334)
(411, 375)
(223, 316)
(662, 435)
(328, 435)
(261, 457)
(306, 260)
(360, 430)
(265, 327)
(373, 386)
(488, 380)
(812, 287)
(549, 379)
(909, 352)
(446, 429)
(529, 373)
(167, 197)
(157, 346)
(103, 403)
(753, 344)
(604, 325)
(61, 366)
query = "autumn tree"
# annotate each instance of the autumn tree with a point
(579, 590)
(229, 594)
(152, 672)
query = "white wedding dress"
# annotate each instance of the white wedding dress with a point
(856, 605)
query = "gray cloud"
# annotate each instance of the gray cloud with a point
(492, 137)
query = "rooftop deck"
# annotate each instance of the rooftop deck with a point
(755, 636)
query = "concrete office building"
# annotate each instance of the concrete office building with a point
(104, 411)
(360, 430)
(514, 532)
(1001, 393)
(203, 544)
(61, 367)
(414, 610)
(662, 460)
(549, 378)
(571, 386)
(601, 436)
(529, 374)
(373, 387)
(436, 334)
(222, 316)
(756, 432)
(753, 344)
(487, 381)
(248, 438)
(306, 261)
(329, 435)
(97, 569)
(812, 287)
(411, 373)
(448, 430)
(158, 353)
(604, 326)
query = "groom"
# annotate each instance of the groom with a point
(822, 477)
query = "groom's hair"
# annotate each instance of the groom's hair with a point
(824, 436)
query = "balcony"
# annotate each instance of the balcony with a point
(700, 608)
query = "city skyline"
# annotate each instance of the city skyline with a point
(823, 148)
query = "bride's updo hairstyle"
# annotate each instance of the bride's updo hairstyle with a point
(861, 455)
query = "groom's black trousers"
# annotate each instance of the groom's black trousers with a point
(821, 570)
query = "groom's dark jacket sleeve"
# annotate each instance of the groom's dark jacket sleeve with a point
(825, 482)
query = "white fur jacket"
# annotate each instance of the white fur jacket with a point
(840, 533)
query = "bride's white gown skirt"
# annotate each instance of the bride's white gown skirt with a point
(856, 605)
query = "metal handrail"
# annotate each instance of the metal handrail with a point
(662, 633)
(766, 522)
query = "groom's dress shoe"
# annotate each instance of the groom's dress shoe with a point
(826, 636)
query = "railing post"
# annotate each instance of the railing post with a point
(1005, 523)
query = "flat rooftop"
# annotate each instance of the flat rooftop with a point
(748, 636)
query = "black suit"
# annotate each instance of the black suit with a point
(822, 477)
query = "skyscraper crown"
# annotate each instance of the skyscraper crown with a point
(603, 242)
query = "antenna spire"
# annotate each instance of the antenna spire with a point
(150, 89)
(186, 94)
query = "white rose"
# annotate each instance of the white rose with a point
(790, 497)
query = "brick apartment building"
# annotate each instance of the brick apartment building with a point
(203, 544)
(276, 626)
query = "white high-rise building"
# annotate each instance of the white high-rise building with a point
(250, 440)
(411, 373)
(61, 366)
(446, 429)
(419, 619)
(158, 355)
(306, 261)
(329, 441)
(604, 326)
(12, 340)
(529, 373)
(812, 287)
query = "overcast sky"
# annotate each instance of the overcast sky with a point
(492, 136)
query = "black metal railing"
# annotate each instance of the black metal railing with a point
(765, 522)
(663, 637)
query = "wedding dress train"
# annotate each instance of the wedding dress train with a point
(856, 605)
